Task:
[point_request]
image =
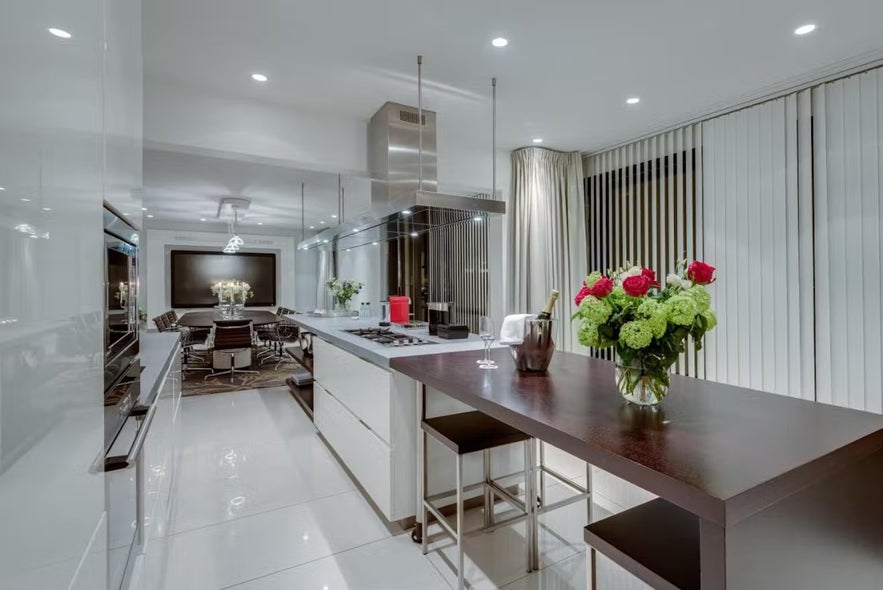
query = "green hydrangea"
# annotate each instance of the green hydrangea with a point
(700, 297)
(681, 310)
(593, 278)
(619, 297)
(710, 318)
(656, 316)
(636, 335)
(595, 310)
(588, 335)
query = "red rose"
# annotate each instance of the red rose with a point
(650, 274)
(583, 293)
(700, 273)
(602, 288)
(636, 286)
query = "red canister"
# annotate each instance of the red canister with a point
(399, 309)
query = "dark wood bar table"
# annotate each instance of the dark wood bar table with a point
(756, 490)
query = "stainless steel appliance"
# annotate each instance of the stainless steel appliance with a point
(387, 337)
(125, 476)
(120, 295)
(126, 415)
(439, 313)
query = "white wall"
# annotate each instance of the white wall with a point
(293, 284)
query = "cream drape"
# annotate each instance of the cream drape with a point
(548, 236)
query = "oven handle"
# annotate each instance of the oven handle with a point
(125, 461)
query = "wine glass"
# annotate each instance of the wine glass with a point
(487, 333)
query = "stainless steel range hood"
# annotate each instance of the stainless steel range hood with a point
(404, 198)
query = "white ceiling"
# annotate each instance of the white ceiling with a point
(183, 188)
(564, 77)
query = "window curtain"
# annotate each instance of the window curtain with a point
(548, 229)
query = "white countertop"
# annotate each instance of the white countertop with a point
(332, 330)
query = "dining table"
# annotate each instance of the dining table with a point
(207, 319)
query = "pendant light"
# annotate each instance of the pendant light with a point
(235, 242)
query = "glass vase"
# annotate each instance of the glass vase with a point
(639, 385)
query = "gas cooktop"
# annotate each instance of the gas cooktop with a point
(387, 337)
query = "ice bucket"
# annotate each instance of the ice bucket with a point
(535, 353)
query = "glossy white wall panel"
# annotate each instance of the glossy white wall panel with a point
(51, 382)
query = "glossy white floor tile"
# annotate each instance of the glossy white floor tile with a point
(259, 503)
(391, 564)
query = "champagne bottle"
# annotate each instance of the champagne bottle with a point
(546, 314)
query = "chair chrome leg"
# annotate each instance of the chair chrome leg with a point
(461, 580)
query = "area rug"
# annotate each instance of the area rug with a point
(195, 384)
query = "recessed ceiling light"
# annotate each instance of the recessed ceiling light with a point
(406, 212)
(373, 243)
(413, 234)
(322, 222)
(500, 42)
(334, 217)
(259, 77)
(150, 217)
(202, 218)
(260, 223)
(2, 188)
(124, 214)
(803, 30)
(50, 209)
(633, 100)
(348, 250)
(25, 200)
(312, 227)
(477, 218)
(144, 208)
(537, 140)
(60, 33)
(355, 231)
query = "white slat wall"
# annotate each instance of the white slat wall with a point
(754, 203)
(848, 119)
(643, 206)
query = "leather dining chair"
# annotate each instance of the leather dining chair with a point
(231, 349)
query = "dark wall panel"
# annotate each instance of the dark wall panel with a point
(193, 273)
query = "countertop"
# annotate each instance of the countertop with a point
(332, 331)
(158, 351)
(718, 451)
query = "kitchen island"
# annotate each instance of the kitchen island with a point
(368, 414)
(755, 490)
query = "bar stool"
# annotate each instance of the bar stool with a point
(471, 432)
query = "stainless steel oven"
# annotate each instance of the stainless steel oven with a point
(120, 295)
(125, 479)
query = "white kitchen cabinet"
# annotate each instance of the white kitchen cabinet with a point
(367, 414)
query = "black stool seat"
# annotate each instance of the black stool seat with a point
(472, 431)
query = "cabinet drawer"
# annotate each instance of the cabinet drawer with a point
(367, 456)
(360, 386)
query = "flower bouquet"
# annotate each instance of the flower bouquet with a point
(646, 323)
(231, 294)
(343, 290)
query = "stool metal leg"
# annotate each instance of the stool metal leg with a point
(488, 494)
(593, 564)
(461, 581)
(591, 499)
(424, 514)
(542, 464)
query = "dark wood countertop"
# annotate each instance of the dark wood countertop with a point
(718, 451)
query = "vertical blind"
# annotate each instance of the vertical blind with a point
(785, 199)
(458, 266)
(848, 133)
(751, 231)
(642, 208)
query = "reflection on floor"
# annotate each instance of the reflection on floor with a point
(261, 504)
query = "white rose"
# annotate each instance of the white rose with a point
(673, 280)
(634, 271)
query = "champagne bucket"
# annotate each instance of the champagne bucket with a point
(535, 353)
